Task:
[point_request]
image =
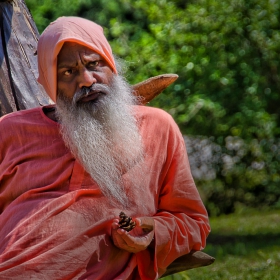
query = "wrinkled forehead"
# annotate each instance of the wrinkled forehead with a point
(71, 51)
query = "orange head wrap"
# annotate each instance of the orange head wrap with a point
(68, 29)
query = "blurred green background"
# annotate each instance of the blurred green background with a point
(226, 102)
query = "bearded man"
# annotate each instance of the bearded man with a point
(68, 170)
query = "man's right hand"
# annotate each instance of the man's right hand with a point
(137, 239)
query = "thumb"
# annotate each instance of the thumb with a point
(146, 223)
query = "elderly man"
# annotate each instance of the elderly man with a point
(68, 170)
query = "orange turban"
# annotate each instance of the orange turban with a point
(68, 29)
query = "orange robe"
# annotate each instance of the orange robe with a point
(54, 221)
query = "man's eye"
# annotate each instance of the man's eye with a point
(68, 72)
(94, 63)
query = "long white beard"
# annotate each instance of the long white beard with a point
(104, 137)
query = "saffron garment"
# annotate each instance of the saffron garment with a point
(54, 221)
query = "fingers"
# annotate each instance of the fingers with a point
(116, 227)
(131, 243)
(136, 240)
(146, 223)
(125, 242)
(115, 224)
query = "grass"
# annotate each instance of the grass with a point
(246, 247)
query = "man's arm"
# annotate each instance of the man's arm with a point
(180, 224)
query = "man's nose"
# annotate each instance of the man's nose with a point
(86, 78)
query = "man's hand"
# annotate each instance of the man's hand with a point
(137, 239)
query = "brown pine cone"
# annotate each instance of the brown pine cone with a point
(126, 222)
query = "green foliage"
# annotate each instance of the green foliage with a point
(45, 11)
(226, 55)
(247, 173)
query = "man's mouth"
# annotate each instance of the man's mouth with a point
(91, 96)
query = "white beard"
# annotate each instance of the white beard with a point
(104, 137)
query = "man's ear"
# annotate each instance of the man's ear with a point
(152, 87)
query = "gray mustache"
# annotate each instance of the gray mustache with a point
(95, 88)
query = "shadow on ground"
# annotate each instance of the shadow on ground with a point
(221, 245)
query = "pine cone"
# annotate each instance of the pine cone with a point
(126, 222)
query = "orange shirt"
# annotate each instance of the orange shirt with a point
(55, 222)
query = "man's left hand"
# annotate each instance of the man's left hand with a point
(137, 239)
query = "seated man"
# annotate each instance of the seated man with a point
(68, 170)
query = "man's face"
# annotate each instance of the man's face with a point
(78, 67)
